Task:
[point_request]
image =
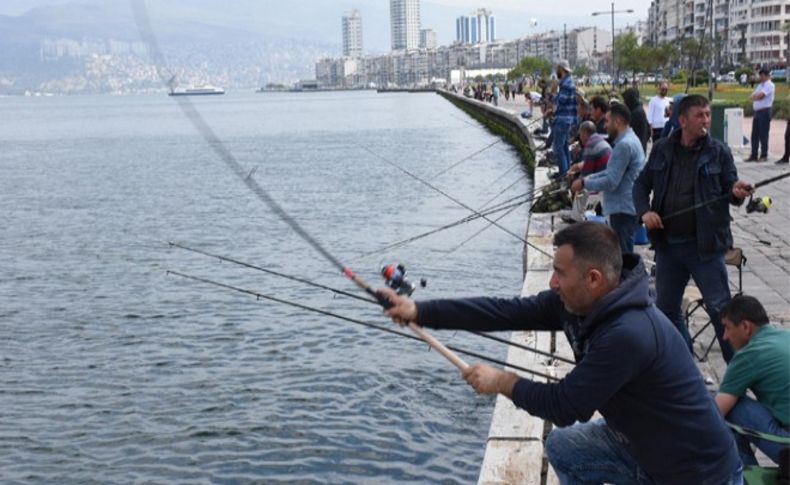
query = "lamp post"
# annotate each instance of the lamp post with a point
(612, 12)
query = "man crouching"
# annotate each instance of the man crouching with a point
(660, 423)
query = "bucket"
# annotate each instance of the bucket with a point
(595, 218)
(640, 237)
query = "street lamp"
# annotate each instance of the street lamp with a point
(612, 12)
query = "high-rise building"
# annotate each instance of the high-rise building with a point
(405, 24)
(352, 34)
(427, 39)
(476, 28)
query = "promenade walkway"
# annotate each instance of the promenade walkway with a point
(514, 448)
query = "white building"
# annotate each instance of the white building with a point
(352, 35)
(405, 24)
(427, 39)
(587, 45)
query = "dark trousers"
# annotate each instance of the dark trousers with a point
(657, 134)
(786, 156)
(674, 264)
(625, 227)
(761, 124)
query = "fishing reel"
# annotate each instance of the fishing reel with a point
(761, 205)
(395, 276)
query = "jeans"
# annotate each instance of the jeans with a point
(560, 147)
(753, 415)
(674, 264)
(594, 453)
(625, 227)
(761, 124)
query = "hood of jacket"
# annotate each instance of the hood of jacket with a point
(631, 98)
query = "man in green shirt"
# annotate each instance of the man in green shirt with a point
(761, 363)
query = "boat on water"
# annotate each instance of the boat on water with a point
(197, 91)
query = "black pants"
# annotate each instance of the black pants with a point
(761, 125)
(786, 156)
(657, 134)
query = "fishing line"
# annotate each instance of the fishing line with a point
(282, 301)
(447, 169)
(348, 294)
(147, 34)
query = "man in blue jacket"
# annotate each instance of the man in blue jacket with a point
(564, 112)
(660, 423)
(693, 180)
(617, 180)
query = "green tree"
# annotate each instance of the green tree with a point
(582, 70)
(531, 67)
(627, 52)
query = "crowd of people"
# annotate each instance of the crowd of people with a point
(634, 360)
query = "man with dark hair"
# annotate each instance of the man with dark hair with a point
(693, 180)
(659, 422)
(762, 364)
(616, 182)
(598, 109)
(638, 117)
(762, 101)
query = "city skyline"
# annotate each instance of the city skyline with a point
(353, 45)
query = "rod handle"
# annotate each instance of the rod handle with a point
(438, 346)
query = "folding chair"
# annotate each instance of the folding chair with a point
(734, 257)
(765, 475)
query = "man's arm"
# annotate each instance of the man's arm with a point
(725, 402)
(610, 178)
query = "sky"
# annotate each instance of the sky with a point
(321, 19)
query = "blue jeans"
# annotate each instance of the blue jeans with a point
(625, 227)
(753, 415)
(560, 147)
(761, 124)
(674, 264)
(594, 453)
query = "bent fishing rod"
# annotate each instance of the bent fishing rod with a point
(337, 291)
(147, 35)
(262, 296)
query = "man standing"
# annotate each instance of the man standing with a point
(657, 111)
(617, 180)
(564, 116)
(762, 364)
(660, 425)
(693, 180)
(762, 101)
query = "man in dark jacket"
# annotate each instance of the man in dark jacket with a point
(693, 180)
(638, 116)
(660, 424)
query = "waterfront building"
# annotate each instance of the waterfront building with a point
(405, 24)
(476, 28)
(352, 34)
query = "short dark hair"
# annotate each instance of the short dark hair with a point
(600, 103)
(745, 307)
(764, 70)
(595, 244)
(619, 110)
(690, 101)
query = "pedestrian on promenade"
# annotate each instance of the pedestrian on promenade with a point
(616, 182)
(495, 95)
(690, 170)
(761, 364)
(564, 116)
(659, 422)
(762, 102)
(657, 111)
(638, 117)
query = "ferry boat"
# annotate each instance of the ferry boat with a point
(196, 91)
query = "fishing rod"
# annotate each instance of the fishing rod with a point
(351, 295)
(447, 169)
(147, 34)
(262, 296)
(725, 196)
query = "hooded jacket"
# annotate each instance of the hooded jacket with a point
(632, 366)
(638, 117)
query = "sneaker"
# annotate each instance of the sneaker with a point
(781, 161)
(751, 159)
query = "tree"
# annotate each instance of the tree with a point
(531, 67)
(582, 70)
(627, 49)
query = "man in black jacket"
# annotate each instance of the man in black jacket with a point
(639, 121)
(660, 424)
(693, 180)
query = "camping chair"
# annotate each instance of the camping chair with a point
(733, 257)
(759, 475)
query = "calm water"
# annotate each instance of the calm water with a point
(113, 372)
